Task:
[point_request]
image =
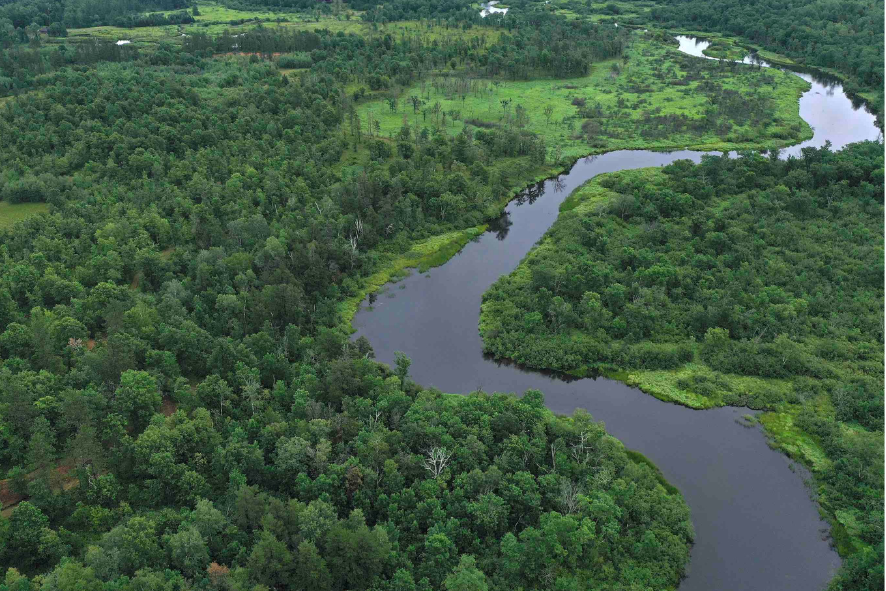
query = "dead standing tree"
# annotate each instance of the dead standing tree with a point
(435, 461)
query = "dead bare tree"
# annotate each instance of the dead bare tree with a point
(581, 450)
(569, 493)
(436, 460)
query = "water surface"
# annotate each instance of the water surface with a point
(488, 8)
(756, 525)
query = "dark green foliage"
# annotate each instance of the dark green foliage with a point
(87, 13)
(366, 503)
(701, 254)
(296, 60)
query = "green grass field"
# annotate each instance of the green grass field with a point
(643, 85)
(137, 35)
(615, 11)
(214, 19)
(10, 213)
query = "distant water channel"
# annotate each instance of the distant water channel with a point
(490, 7)
(756, 526)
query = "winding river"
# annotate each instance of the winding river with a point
(757, 527)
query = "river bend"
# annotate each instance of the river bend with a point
(757, 527)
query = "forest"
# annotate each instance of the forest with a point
(187, 221)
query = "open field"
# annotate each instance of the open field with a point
(215, 20)
(616, 11)
(10, 213)
(628, 97)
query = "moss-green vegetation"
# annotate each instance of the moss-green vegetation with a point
(639, 458)
(749, 282)
(696, 385)
(724, 49)
(847, 40)
(610, 12)
(139, 35)
(10, 213)
(655, 98)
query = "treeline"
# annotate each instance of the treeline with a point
(746, 267)
(17, 16)
(845, 35)
(156, 19)
(549, 46)
(22, 68)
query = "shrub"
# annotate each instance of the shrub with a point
(294, 61)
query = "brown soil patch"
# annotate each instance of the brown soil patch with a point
(62, 475)
(168, 407)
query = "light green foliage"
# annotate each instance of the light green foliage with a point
(640, 106)
(189, 552)
(70, 575)
(466, 577)
(137, 396)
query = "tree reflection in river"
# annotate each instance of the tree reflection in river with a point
(501, 225)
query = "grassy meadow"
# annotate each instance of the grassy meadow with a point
(10, 213)
(644, 83)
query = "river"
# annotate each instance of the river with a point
(757, 527)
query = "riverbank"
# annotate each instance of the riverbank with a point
(436, 251)
(736, 48)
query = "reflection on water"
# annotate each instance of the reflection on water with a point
(500, 226)
(842, 120)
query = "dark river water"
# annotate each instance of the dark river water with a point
(756, 526)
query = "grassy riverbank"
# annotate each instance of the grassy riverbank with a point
(603, 86)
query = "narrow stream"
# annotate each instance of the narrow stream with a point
(756, 526)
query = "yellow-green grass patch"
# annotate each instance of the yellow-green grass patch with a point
(10, 213)
(423, 255)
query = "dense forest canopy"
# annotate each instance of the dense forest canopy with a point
(181, 404)
(21, 14)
